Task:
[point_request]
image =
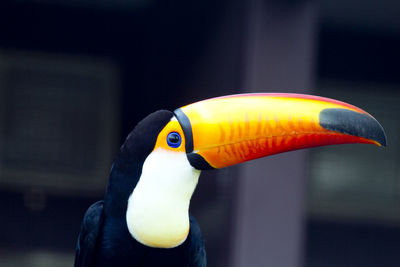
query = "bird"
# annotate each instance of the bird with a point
(144, 219)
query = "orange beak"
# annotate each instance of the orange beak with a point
(224, 131)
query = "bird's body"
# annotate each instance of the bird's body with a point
(108, 243)
(144, 218)
(105, 240)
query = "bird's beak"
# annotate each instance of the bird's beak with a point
(224, 131)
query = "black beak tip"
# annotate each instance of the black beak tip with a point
(383, 141)
(352, 123)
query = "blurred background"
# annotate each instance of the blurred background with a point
(76, 77)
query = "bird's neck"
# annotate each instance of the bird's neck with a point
(124, 176)
(158, 208)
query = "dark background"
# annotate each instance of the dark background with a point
(165, 54)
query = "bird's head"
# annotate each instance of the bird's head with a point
(220, 132)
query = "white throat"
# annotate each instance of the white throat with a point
(158, 208)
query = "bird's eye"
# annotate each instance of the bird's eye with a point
(174, 140)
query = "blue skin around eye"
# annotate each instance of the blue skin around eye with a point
(174, 140)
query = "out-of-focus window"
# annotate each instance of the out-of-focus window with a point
(59, 121)
(359, 182)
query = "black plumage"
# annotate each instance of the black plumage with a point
(104, 239)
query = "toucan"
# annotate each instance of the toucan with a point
(144, 218)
